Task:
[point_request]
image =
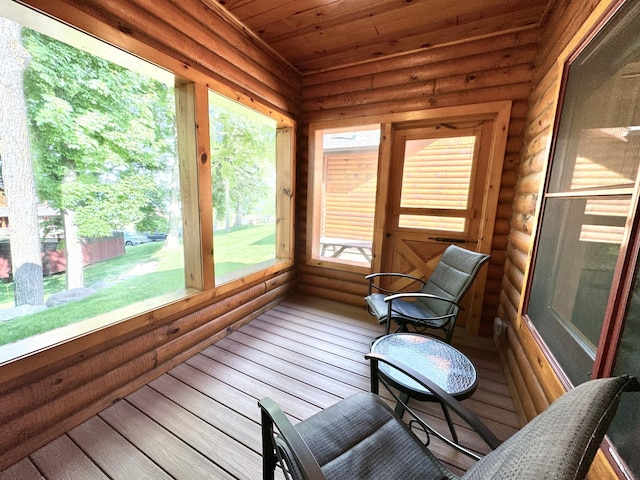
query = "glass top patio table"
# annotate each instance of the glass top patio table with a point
(443, 364)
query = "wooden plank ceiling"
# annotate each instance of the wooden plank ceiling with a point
(318, 35)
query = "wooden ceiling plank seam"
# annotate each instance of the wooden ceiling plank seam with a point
(258, 12)
(346, 54)
(231, 5)
(347, 59)
(478, 11)
(291, 14)
(378, 14)
(330, 15)
(423, 55)
(321, 35)
(137, 22)
(406, 26)
(432, 55)
(430, 71)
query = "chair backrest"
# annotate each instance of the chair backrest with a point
(452, 277)
(562, 441)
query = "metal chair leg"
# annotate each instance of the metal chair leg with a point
(400, 406)
(269, 460)
(452, 429)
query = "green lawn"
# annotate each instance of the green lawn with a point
(143, 272)
(243, 246)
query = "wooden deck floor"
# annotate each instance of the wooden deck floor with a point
(201, 419)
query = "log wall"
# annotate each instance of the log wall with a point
(534, 383)
(48, 393)
(41, 405)
(493, 69)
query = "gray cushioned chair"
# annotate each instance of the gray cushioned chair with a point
(361, 438)
(435, 305)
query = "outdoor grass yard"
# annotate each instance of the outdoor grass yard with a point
(143, 272)
(243, 246)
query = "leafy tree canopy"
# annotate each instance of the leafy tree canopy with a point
(242, 155)
(101, 136)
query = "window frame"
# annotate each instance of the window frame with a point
(606, 349)
(498, 111)
(282, 168)
(314, 187)
(193, 155)
(627, 263)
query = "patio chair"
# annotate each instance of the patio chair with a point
(435, 305)
(361, 438)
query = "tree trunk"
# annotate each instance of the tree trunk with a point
(238, 220)
(174, 208)
(227, 206)
(72, 246)
(73, 252)
(17, 170)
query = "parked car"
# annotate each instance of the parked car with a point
(156, 237)
(131, 239)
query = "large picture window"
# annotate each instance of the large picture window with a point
(106, 211)
(588, 214)
(243, 171)
(90, 205)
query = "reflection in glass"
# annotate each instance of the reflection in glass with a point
(579, 243)
(587, 214)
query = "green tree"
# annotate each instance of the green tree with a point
(242, 165)
(96, 139)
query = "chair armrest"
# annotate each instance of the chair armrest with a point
(297, 446)
(390, 274)
(372, 276)
(470, 418)
(395, 296)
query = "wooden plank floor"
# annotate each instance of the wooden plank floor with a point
(201, 419)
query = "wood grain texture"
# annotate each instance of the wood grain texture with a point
(201, 419)
(39, 412)
(192, 41)
(115, 455)
(322, 35)
(532, 376)
(403, 57)
(464, 74)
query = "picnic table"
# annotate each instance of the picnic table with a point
(338, 246)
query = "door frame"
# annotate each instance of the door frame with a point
(497, 112)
